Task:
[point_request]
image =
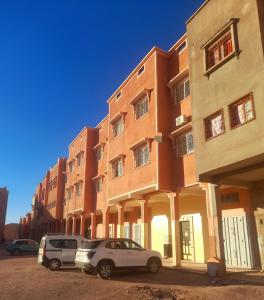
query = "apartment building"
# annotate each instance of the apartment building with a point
(47, 202)
(177, 164)
(3, 207)
(79, 186)
(227, 72)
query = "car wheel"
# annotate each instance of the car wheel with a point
(153, 265)
(17, 252)
(54, 264)
(105, 269)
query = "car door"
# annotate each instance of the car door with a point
(118, 252)
(69, 249)
(136, 255)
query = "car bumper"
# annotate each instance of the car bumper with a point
(44, 261)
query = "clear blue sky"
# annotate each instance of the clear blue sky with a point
(59, 62)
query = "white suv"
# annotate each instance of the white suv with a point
(106, 255)
(57, 251)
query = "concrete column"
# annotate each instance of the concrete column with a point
(175, 228)
(106, 223)
(120, 223)
(93, 225)
(214, 215)
(74, 220)
(82, 227)
(144, 224)
(67, 227)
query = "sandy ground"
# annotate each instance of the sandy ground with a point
(22, 278)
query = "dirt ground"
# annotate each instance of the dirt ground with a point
(22, 278)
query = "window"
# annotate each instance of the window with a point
(99, 185)
(132, 245)
(69, 193)
(184, 144)
(182, 47)
(182, 89)
(118, 95)
(118, 127)
(117, 168)
(78, 188)
(141, 70)
(70, 244)
(99, 153)
(71, 165)
(242, 111)
(141, 107)
(43, 194)
(56, 243)
(141, 155)
(214, 125)
(79, 158)
(219, 50)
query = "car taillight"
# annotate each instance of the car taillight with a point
(90, 254)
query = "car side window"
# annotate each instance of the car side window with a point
(135, 245)
(116, 245)
(21, 243)
(56, 243)
(70, 244)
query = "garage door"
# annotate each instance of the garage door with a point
(236, 242)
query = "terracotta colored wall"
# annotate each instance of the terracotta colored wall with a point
(135, 130)
(102, 165)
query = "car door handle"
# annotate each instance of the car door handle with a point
(110, 253)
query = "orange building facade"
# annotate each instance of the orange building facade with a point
(3, 207)
(138, 173)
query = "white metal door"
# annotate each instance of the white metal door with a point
(236, 241)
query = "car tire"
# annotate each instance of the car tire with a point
(54, 264)
(16, 252)
(153, 265)
(105, 269)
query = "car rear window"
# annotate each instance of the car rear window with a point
(90, 244)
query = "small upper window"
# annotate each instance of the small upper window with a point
(141, 155)
(141, 107)
(118, 127)
(184, 144)
(242, 111)
(214, 125)
(219, 50)
(118, 95)
(141, 70)
(182, 47)
(182, 89)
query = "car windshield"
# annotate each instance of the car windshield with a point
(90, 244)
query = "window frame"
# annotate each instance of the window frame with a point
(235, 104)
(115, 168)
(136, 152)
(229, 28)
(99, 187)
(178, 143)
(181, 82)
(114, 126)
(143, 102)
(207, 121)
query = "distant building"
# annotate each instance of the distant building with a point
(11, 231)
(3, 206)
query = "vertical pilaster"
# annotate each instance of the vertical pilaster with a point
(214, 215)
(106, 223)
(82, 229)
(93, 225)
(74, 219)
(144, 224)
(175, 228)
(67, 227)
(120, 224)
